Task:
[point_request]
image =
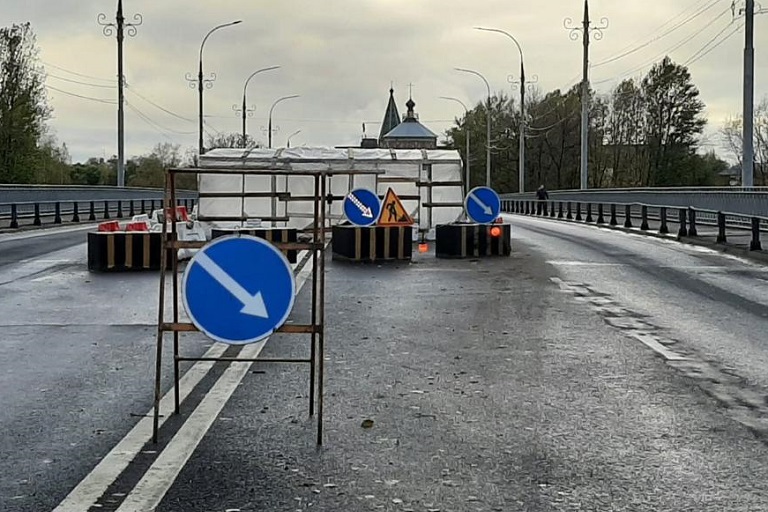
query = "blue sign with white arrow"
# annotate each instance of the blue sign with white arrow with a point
(362, 207)
(483, 205)
(238, 289)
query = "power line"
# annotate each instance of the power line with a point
(174, 114)
(664, 34)
(158, 125)
(89, 98)
(76, 73)
(734, 31)
(79, 82)
(666, 52)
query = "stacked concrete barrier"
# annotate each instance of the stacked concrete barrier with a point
(469, 240)
(372, 244)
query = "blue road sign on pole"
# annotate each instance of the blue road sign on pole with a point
(238, 289)
(483, 205)
(362, 207)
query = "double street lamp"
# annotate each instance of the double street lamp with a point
(288, 142)
(272, 108)
(244, 107)
(521, 164)
(488, 126)
(201, 83)
(466, 131)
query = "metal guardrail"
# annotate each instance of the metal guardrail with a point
(35, 193)
(745, 201)
(39, 213)
(688, 219)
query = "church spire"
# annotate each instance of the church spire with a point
(391, 115)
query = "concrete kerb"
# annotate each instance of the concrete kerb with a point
(744, 252)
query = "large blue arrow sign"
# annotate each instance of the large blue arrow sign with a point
(362, 207)
(482, 205)
(238, 289)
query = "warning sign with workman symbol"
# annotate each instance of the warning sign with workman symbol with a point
(393, 212)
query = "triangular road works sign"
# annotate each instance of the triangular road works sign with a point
(393, 212)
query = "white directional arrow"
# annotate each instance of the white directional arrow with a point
(252, 304)
(366, 211)
(487, 209)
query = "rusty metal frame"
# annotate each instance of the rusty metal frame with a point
(317, 247)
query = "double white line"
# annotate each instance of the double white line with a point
(148, 493)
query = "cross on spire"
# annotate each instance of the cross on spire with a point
(410, 90)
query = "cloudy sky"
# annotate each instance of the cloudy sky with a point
(340, 56)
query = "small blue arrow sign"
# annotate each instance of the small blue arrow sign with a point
(362, 207)
(482, 205)
(238, 289)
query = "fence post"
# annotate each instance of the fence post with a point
(131, 210)
(526, 207)
(628, 216)
(721, 238)
(600, 218)
(75, 213)
(37, 221)
(589, 212)
(683, 231)
(613, 221)
(106, 209)
(14, 217)
(755, 244)
(143, 207)
(559, 209)
(578, 211)
(663, 229)
(119, 208)
(57, 213)
(92, 215)
(552, 209)
(692, 222)
(644, 218)
(569, 215)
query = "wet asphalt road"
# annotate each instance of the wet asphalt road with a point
(513, 384)
(25, 245)
(76, 366)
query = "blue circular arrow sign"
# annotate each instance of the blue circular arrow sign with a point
(483, 205)
(362, 207)
(238, 289)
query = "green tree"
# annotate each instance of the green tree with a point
(674, 122)
(23, 104)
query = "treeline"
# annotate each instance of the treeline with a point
(645, 133)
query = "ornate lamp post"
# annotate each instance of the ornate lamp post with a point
(488, 126)
(245, 111)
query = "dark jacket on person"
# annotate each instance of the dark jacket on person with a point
(541, 194)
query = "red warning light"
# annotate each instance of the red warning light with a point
(495, 231)
(423, 248)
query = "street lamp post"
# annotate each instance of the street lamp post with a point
(521, 164)
(244, 107)
(466, 131)
(272, 108)
(288, 142)
(488, 126)
(201, 83)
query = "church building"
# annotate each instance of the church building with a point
(406, 134)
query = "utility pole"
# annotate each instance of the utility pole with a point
(120, 28)
(748, 159)
(586, 30)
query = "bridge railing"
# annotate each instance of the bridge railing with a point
(39, 213)
(687, 221)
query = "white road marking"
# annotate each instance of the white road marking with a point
(95, 484)
(44, 232)
(91, 488)
(651, 341)
(160, 476)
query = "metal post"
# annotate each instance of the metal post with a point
(560, 210)
(628, 216)
(92, 212)
(488, 126)
(747, 166)
(586, 29)
(755, 244)
(120, 28)
(683, 231)
(204, 83)
(57, 213)
(613, 221)
(75, 213)
(692, 222)
(578, 211)
(589, 212)
(569, 215)
(106, 209)
(600, 218)
(37, 221)
(244, 109)
(721, 237)
(14, 217)
(663, 228)
(271, 109)
(119, 208)
(644, 218)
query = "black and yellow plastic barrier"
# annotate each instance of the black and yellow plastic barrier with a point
(473, 240)
(124, 251)
(275, 235)
(371, 244)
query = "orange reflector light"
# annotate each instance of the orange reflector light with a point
(423, 248)
(495, 231)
